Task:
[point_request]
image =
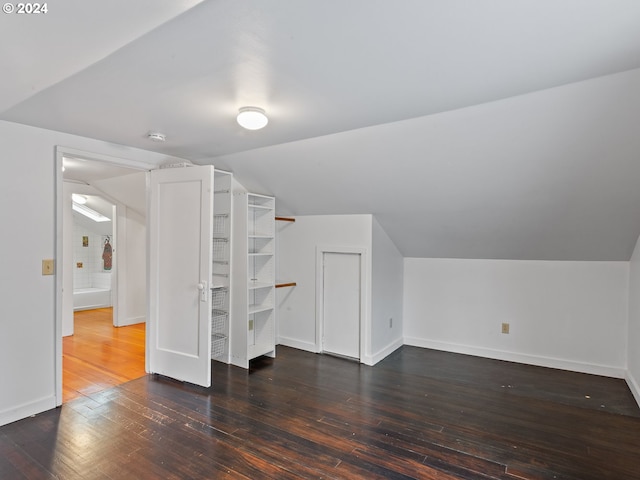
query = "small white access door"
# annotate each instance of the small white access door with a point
(180, 263)
(341, 304)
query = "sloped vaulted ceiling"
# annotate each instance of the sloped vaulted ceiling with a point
(551, 175)
(472, 129)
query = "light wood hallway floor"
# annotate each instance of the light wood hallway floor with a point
(100, 356)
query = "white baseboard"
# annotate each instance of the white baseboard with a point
(133, 321)
(27, 409)
(382, 354)
(549, 362)
(633, 386)
(366, 359)
(300, 345)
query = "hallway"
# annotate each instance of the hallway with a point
(100, 356)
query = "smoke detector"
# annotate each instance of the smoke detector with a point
(156, 136)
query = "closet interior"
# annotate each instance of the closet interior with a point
(243, 314)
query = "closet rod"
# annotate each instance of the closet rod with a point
(285, 219)
(282, 285)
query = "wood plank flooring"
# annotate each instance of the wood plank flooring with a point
(98, 355)
(417, 414)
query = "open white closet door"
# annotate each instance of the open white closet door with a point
(180, 265)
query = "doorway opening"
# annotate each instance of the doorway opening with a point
(98, 355)
(101, 274)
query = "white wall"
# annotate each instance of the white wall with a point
(90, 256)
(633, 334)
(129, 190)
(570, 315)
(386, 294)
(67, 254)
(131, 267)
(297, 244)
(29, 165)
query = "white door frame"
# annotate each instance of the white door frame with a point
(364, 288)
(61, 152)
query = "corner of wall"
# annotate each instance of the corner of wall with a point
(633, 386)
(371, 360)
(633, 323)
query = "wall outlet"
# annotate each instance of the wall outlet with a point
(505, 328)
(47, 266)
(391, 323)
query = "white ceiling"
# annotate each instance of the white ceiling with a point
(473, 129)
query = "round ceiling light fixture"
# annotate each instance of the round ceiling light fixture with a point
(252, 118)
(156, 136)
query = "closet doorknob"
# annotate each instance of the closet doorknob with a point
(202, 286)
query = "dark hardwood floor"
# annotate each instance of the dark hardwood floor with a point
(417, 414)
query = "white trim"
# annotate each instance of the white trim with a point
(382, 354)
(539, 361)
(132, 321)
(119, 283)
(27, 409)
(99, 157)
(364, 288)
(633, 386)
(57, 339)
(147, 273)
(299, 344)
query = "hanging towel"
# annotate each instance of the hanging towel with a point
(107, 255)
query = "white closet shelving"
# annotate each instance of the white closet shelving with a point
(253, 307)
(221, 276)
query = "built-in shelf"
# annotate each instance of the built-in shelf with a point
(253, 328)
(259, 308)
(258, 350)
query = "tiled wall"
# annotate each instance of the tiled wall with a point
(90, 256)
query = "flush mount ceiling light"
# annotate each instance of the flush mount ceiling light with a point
(156, 136)
(252, 118)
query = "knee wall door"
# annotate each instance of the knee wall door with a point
(341, 304)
